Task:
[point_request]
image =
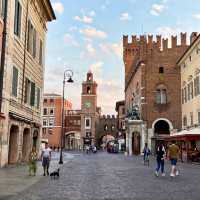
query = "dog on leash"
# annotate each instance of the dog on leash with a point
(55, 174)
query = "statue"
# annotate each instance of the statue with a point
(133, 114)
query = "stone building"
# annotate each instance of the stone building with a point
(52, 118)
(22, 77)
(152, 83)
(189, 137)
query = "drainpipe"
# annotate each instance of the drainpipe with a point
(3, 52)
(25, 46)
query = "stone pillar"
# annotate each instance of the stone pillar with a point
(130, 148)
(127, 141)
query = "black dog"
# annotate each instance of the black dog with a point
(55, 174)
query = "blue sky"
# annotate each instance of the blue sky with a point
(88, 35)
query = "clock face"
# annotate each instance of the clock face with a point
(87, 104)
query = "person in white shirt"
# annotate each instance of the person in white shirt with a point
(46, 158)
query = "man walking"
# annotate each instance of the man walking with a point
(173, 156)
(46, 157)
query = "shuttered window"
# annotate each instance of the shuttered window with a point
(15, 81)
(196, 86)
(27, 91)
(38, 98)
(32, 97)
(34, 43)
(41, 53)
(17, 19)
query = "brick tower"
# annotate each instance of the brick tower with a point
(88, 108)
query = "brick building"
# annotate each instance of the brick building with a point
(87, 126)
(22, 76)
(152, 82)
(52, 118)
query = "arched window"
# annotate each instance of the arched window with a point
(184, 121)
(106, 127)
(88, 90)
(161, 94)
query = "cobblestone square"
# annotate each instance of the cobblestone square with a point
(114, 177)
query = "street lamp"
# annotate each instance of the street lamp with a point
(68, 74)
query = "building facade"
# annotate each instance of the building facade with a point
(152, 83)
(22, 77)
(52, 118)
(189, 137)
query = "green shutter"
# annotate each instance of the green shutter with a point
(38, 98)
(32, 102)
(15, 81)
(34, 43)
(28, 39)
(16, 17)
(19, 19)
(26, 91)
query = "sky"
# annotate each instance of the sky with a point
(87, 35)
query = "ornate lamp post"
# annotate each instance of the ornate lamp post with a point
(68, 74)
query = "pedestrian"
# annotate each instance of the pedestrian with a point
(160, 158)
(173, 156)
(33, 161)
(146, 152)
(46, 158)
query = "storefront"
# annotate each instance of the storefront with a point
(189, 143)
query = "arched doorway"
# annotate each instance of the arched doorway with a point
(13, 145)
(26, 145)
(104, 140)
(35, 139)
(136, 143)
(161, 127)
(73, 141)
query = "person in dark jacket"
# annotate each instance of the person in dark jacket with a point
(160, 157)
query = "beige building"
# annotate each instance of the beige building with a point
(189, 137)
(23, 77)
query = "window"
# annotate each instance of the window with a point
(51, 111)
(41, 53)
(88, 134)
(2, 7)
(32, 39)
(88, 90)
(45, 111)
(196, 86)
(199, 117)
(190, 90)
(15, 81)
(27, 91)
(17, 19)
(45, 100)
(106, 127)
(190, 58)
(161, 96)
(87, 123)
(112, 127)
(51, 100)
(45, 123)
(38, 98)
(185, 94)
(191, 119)
(161, 70)
(32, 98)
(184, 121)
(51, 122)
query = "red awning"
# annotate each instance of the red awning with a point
(185, 137)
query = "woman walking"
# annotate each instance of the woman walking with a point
(160, 156)
(33, 162)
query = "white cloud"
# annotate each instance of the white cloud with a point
(84, 19)
(91, 32)
(90, 49)
(96, 69)
(112, 48)
(73, 28)
(125, 17)
(157, 9)
(58, 7)
(197, 16)
(69, 40)
(92, 13)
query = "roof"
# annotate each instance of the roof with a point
(188, 49)
(119, 103)
(49, 9)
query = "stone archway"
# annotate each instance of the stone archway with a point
(13, 145)
(26, 144)
(73, 140)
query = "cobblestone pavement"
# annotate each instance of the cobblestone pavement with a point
(15, 179)
(115, 177)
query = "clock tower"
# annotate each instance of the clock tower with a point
(88, 109)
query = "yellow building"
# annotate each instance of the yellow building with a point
(23, 76)
(189, 137)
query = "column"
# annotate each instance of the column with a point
(130, 143)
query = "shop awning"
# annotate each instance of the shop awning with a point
(186, 135)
